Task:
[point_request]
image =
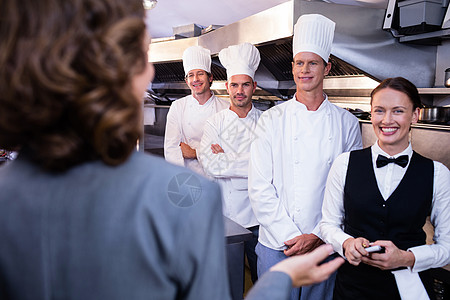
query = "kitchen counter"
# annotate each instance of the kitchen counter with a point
(235, 236)
(235, 233)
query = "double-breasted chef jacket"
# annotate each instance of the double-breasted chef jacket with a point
(185, 121)
(289, 164)
(230, 169)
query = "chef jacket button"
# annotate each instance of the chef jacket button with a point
(296, 162)
(329, 161)
(295, 138)
(329, 137)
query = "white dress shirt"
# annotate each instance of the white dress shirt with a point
(289, 163)
(185, 121)
(230, 169)
(388, 178)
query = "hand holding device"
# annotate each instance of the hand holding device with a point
(375, 249)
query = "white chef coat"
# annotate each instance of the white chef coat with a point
(230, 169)
(388, 178)
(185, 121)
(289, 164)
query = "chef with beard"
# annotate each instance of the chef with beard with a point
(225, 146)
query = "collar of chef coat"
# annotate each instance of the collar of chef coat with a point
(298, 106)
(208, 102)
(250, 115)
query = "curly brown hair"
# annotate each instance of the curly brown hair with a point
(65, 79)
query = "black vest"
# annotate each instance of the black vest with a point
(399, 219)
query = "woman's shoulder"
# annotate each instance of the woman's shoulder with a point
(360, 152)
(441, 170)
(169, 180)
(148, 164)
(342, 159)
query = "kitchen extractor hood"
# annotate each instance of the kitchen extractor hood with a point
(362, 54)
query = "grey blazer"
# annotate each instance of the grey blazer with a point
(143, 230)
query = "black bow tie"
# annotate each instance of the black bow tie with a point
(402, 161)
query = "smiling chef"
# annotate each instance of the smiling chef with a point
(296, 144)
(187, 116)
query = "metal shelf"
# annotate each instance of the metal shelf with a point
(425, 36)
(434, 91)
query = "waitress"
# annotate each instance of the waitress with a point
(382, 195)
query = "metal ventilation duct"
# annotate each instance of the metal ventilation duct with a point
(361, 49)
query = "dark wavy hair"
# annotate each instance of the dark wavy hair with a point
(65, 79)
(400, 84)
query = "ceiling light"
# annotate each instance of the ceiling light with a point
(149, 4)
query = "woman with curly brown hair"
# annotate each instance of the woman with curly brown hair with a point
(82, 214)
(55, 74)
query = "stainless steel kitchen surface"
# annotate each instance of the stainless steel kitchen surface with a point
(363, 54)
(154, 128)
(359, 40)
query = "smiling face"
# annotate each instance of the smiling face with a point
(199, 82)
(392, 116)
(309, 71)
(241, 88)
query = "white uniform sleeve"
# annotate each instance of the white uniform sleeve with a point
(331, 225)
(173, 136)
(354, 139)
(220, 165)
(437, 254)
(267, 206)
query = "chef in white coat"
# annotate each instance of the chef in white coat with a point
(187, 116)
(296, 143)
(225, 146)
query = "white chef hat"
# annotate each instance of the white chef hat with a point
(313, 33)
(240, 59)
(196, 57)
